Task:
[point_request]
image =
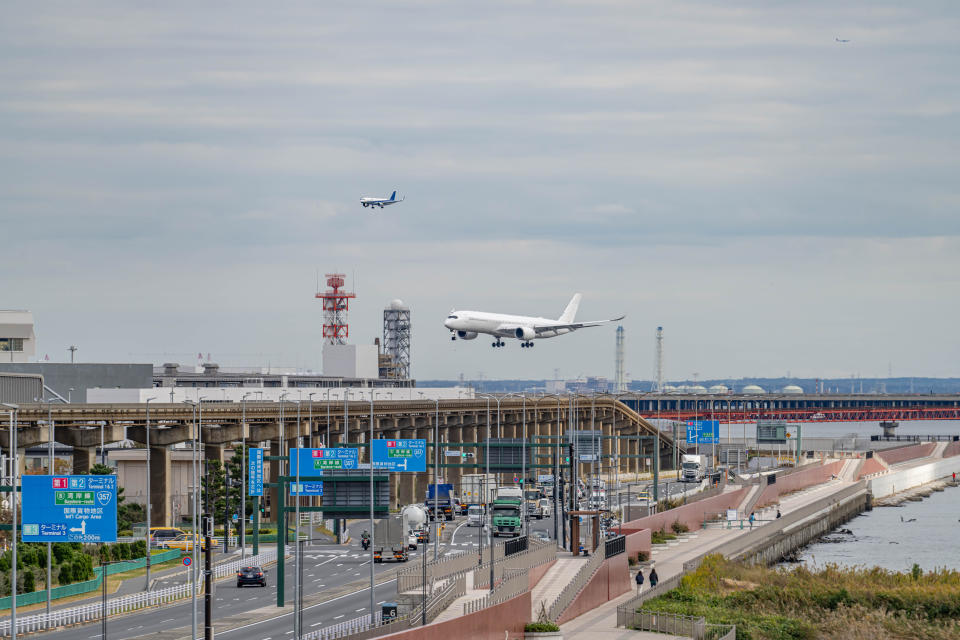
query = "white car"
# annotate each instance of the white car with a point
(475, 516)
(546, 507)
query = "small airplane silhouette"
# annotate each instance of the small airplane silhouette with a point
(839, 40)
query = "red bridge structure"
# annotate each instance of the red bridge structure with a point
(738, 408)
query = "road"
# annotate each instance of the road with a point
(327, 568)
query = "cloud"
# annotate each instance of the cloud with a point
(706, 167)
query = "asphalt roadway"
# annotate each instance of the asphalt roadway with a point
(340, 571)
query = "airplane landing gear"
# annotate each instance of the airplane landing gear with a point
(453, 335)
(529, 343)
(498, 343)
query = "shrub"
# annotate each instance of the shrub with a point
(66, 574)
(679, 527)
(138, 549)
(29, 582)
(540, 627)
(631, 560)
(642, 556)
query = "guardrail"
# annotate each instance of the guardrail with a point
(535, 555)
(94, 611)
(575, 586)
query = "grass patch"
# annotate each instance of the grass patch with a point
(833, 602)
(659, 537)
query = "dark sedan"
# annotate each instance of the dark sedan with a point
(251, 575)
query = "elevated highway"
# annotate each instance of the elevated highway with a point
(539, 420)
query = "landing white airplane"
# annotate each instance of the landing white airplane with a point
(466, 325)
(380, 202)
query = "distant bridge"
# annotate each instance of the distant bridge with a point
(819, 407)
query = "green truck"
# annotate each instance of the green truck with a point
(507, 512)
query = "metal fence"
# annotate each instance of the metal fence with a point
(516, 545)
(615, 546)
(627, 609)
(514, 583)
(94, 611)
(680, 625)
(124, 604)
(78, 588)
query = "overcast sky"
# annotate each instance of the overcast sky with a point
(173, 176)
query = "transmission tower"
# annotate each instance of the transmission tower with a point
(336, 304)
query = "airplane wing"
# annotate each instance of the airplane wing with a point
(576, 325)
(507, 330)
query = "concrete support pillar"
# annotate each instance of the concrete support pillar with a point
(160, 487)
(83, 459)
(213, 452)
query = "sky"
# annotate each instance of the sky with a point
(175, 176)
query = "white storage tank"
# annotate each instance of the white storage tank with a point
(718, 389)
(752, 389)
(792, 389)
(698, 388)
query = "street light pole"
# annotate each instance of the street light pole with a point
(13, 504)
(52, 431)
(149, 504)
(298, 560)
(436, 480)
(493, 556)
(243, 477)
(194, 533)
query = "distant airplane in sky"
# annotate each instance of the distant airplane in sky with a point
(380, 202)
(839, 40)
(466, 325)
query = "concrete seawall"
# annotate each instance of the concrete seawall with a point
(896, 481)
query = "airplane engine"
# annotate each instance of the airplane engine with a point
(466, 335)
(525, 333)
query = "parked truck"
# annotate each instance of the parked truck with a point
(507, 516)
(440, 501)
(477, 489)
(693, 467)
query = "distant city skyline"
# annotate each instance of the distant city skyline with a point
(175, 177)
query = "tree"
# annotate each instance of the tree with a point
(100, 470)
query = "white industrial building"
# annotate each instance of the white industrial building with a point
(18, 342)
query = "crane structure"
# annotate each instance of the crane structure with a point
(336, 304)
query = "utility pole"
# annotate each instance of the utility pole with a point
(13, 503)
(226, 506)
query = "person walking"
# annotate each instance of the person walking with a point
(778, 513)
(639, 580)
(654, 578)
(752, 518)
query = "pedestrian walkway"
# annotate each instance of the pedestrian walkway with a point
(455, 610)
(552, 583)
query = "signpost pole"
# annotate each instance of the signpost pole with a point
(103, 597)
(373, 617)
(13, 503)
(256, 526)
(149, 505)
(208, 578)
(52, 471)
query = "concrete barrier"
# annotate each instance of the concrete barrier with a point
(487, 624)
(896, 481)
(896, 456)
(639, 541)
(953, 449)
(870, 467)
(691, 514)
(611, 580)
(805, 477)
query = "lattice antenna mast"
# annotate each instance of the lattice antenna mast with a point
(619, 377)
(396, 338)
(336, 304)
(659, 362)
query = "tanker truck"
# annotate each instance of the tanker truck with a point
(415, 520)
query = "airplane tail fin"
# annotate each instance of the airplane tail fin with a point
(571, 311)
(393, 196)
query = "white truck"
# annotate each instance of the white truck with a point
(415, 525)
(477, 488)
(693, 467)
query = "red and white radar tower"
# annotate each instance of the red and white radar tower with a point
(336, 304)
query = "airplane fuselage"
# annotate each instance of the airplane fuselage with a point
(502, 325)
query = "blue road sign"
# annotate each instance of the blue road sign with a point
(313, 462)
(307, 488)
(255, 472)
(703, 431)
(186, 561)
(400, 455)
(69, 509)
